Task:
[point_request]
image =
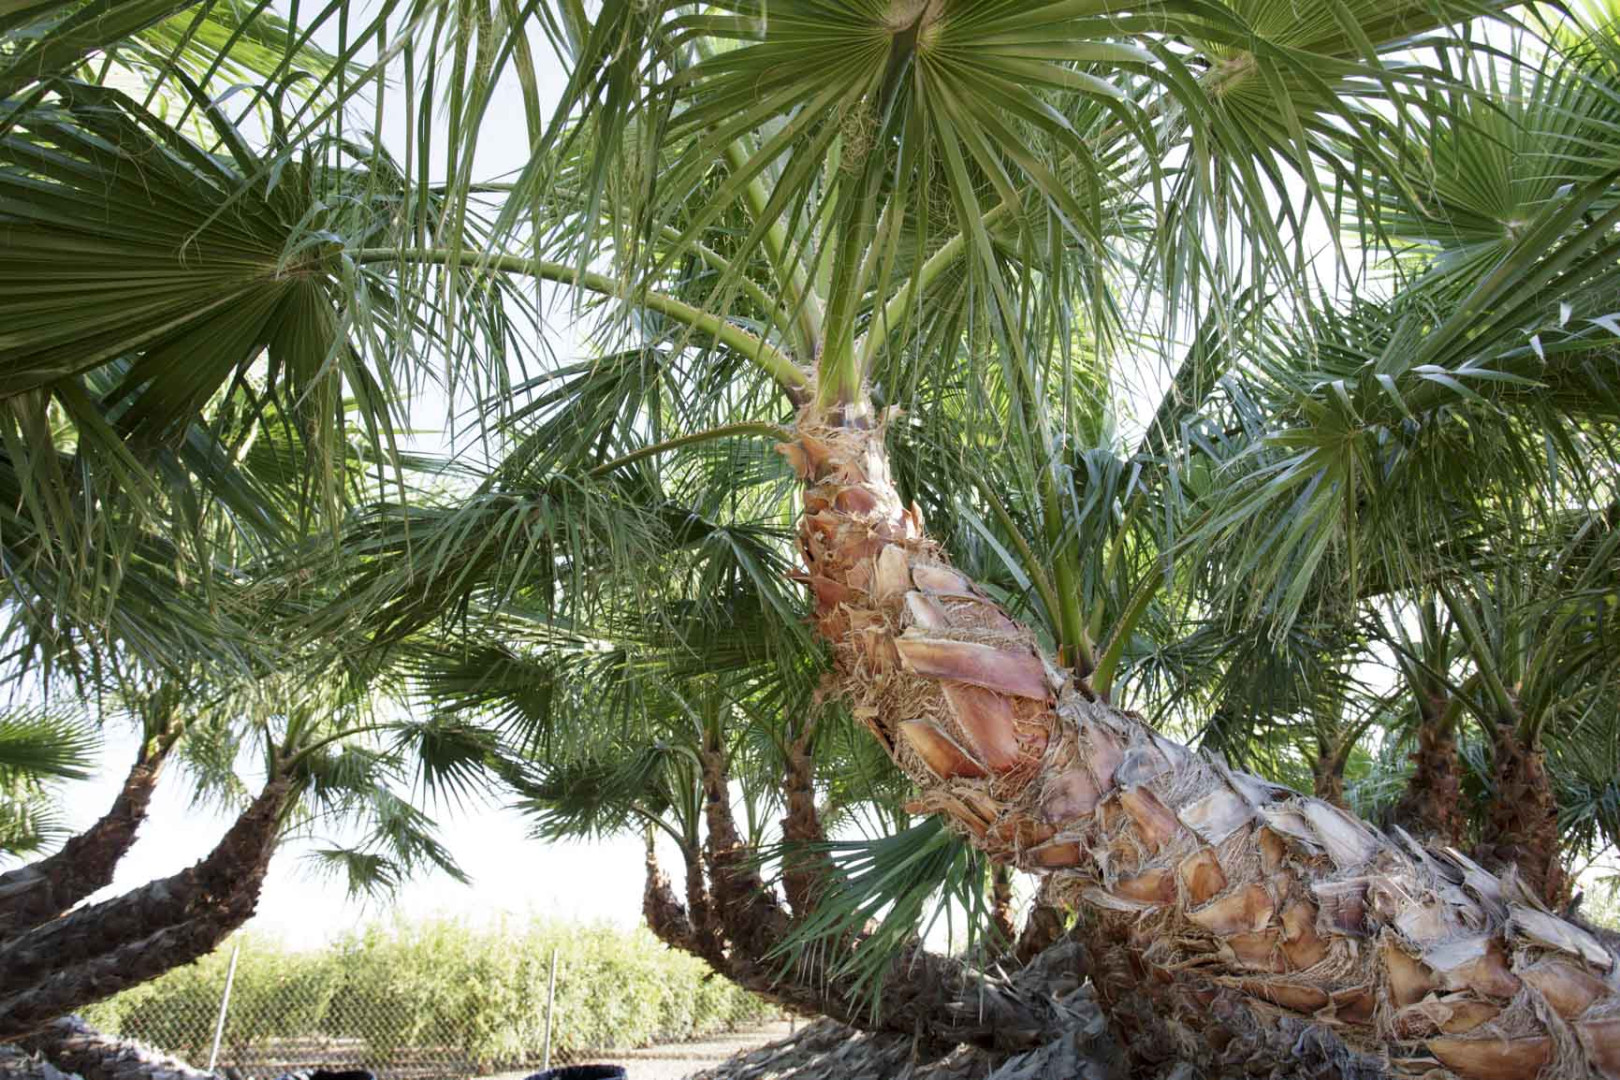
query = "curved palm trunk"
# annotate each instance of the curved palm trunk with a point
(42, 890)
(1521, 827)
(1431, 806)
(75, 1047)
(665, 915)
(94, 952)
(1265, 929)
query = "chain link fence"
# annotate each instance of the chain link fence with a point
(435, 1001)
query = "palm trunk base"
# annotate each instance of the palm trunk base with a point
(829, 1050)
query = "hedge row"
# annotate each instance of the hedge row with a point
(440, 986)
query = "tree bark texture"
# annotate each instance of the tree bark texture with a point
(75, 1047)
(1431, 806)
(94, 952)
(1258, 928)
(804, 868)
(1521, 827)
(42, 890)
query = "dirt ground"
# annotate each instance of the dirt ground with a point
(676, 1061)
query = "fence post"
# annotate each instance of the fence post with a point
(551, 998)
(224, 1003)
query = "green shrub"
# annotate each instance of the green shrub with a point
(440, 985)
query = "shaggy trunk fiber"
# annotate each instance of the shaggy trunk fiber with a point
(94, 952)
(705, 928)
(74, 1046)
(662, 909)
(1521, 829)
(42, 890)
(1263, 930)
(1327, 774)
(1431, 806)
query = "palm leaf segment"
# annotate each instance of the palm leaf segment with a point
(37, 749)
(210, 272)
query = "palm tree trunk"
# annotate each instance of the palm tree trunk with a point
(805, 868)
(95, 952)
(1521, 826)
(662, 909)
(1262, 928)
(75, 1047)
(737, 927)
(753, 922)
(700, 907)
(1431, 806)
(42, 890)
(1327, 774)
(935, 999)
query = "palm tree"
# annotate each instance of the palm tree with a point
(901, 240)
(1529, 654)
(158, 534)
(320, 769)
